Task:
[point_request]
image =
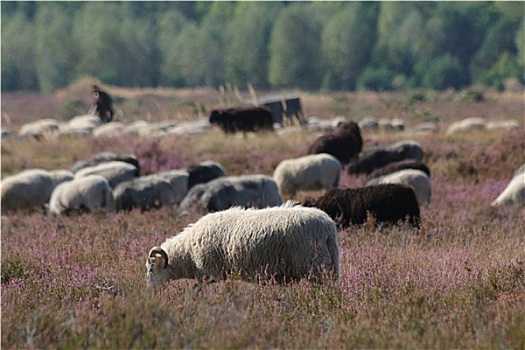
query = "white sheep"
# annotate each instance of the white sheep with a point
(466, 125)
(178, 179)
(283, 244)
(27, 190)
(90, 193)
(514, 193)
(311, 172)
(417, 179)
(114, 171)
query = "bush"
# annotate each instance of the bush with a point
(443, 73)
(376, 79)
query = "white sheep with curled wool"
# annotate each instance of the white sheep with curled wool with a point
(284, 244)
(308, 173)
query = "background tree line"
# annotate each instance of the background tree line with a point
(307, 45)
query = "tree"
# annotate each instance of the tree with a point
(348, 41)
(295, 58)
(248, 34)
(18, 53)
(171, 25)
(55, 51)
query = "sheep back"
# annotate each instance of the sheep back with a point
(204, 172)
(418, 180)
(114, 171)
(513, 194)
(27, 190)
(146, 192)
(396, 166)
(378, 157)
(311, 172)
(88, 193)
(178, 179)
(227, 191)
(387, 203)
(344, 144)
(284, 243)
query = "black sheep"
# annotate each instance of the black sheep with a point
(344, 144)
(388, 203)
(396, 166)
(378, 157)
(204, 172)
(245, 119)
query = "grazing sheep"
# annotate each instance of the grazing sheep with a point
(514, 193)
(114, 171)
(105, 157)
(418, 180)
(228, 191)
(178, 179)
(27, 190)
(204, 172)
(312, 172)
(466, 125)
(80, 125)
(396, 166)
(39, 129)
(89, 193)
(61, 175)
(344, 144)
(284, 244)
(243, 118)
(378, 157)
(146, 192)
(388, 203)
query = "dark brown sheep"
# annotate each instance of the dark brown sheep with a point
(396, 166)
(344, 144)
(244, 119)
(378, 157)
(389, 203)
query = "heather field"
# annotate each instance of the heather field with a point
(459, 282)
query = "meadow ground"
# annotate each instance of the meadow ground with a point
(79, 281)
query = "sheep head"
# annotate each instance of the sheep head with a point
(156, 265)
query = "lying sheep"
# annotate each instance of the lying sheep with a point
(388, 203)
(27, 190)
(312, 172)
(105, 157)
(396, 166)
(378, 157)
(115, 172)
(228, 191)
(89, 193)
(418, 180)
(146, 192)
(514, 193)
(283, 244)
(178, 179)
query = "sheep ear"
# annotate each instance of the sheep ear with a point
(158, 252)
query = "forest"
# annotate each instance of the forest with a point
(315, 46)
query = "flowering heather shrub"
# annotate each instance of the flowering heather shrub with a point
(458, 282)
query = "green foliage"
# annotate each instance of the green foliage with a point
(348, 40)
(506, 67)
(442, 73)
(379, 79)
(294, 61)
(311, 45)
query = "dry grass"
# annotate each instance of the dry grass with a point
(79, 281)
